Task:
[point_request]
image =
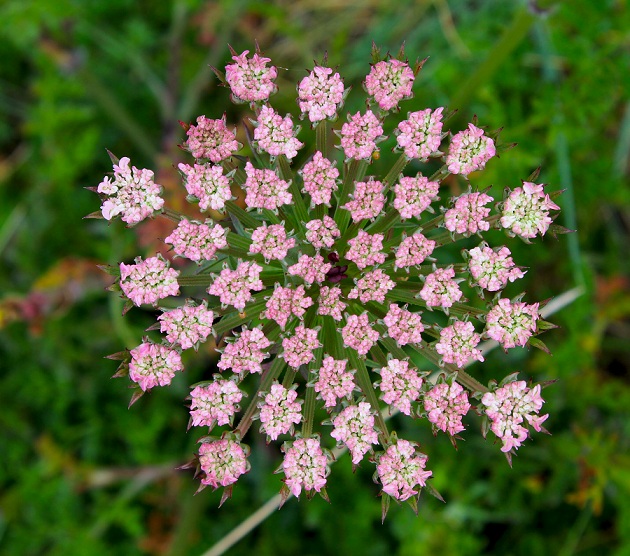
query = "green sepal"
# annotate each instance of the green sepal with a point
(539, 344)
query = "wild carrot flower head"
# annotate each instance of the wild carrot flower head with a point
(317, 280)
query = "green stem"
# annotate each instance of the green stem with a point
(396, 170)
(172, 215)
(362, 377)
(355, 171)
(384, 223)
(321, 138)
(265, 383)
(244, 217)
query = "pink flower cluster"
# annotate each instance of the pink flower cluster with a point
(446, 405)
(458, 343)
(132, 194)
(207, 184)
(187, 325)
(400, 385)
(215, 403)
(401, 470)
(510, 408)
(275, 134)
(211, 140)
(403, 326)
(440, 290)
(493, 268)
(305, 466)
(469, 151)
(467, 216)
(368, 200)
(153, 365)
(234, 287)
(279, 411)
(223, 462)
(511, 324)
(265, 190)
(271, 242)
(526, 211)
(320, 179)
(366, 250)
(334, 382)
(360, 135)
(287, 302)
(420, 134)
(298, 349)
(148, 281)
(197, 242)
(413, 250)
(318, 294)
(250, 79)
(354, 427)
(246, 353)
(320, 94)
(389, 82)
(414, 195)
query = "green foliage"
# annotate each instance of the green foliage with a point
(81, 474)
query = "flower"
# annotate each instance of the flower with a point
(211, 140)
(223, 462)
(511, 324)
(197, 242)
(400, 385)
(492, 268)
(148, 281)
(320, 94)
(250, 79)
(214, 403)
(420, 134)
(526, 211)
(445, 405)
(275, 134)
(354, 427)
(133, 194)
(279, 411)
(360, 135)
(314, 276)
(469, 151)
(153, 365)
(389, 82)
(400, 470)
(305, 465)
(187, 325)
(457, 343)
(510, 408)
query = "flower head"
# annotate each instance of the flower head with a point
(401, 470)
(211, 140)
(420, 134)
(510, 409)
(320, 94)
(223, 462)
(389, 82)
(153, 365)
(132, 193)
(526, 211)
(312, 272)
(305, 465)
(446, 405)
(250, 79)
(469, 151)
(354, 427)
(360, 135)
(148, 281)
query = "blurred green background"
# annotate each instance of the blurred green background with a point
(82, 474)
